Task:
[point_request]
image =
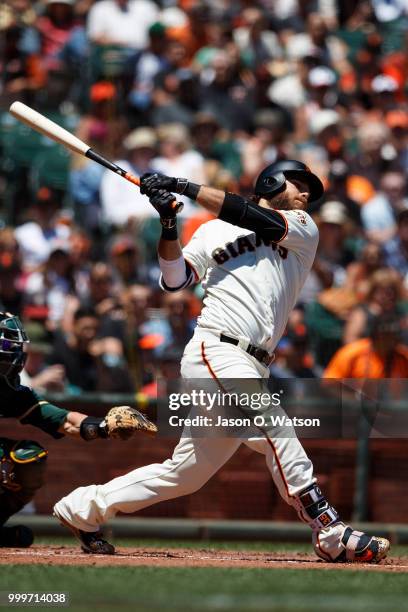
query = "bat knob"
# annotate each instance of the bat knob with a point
(177, 206)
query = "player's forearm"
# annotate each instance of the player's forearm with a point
(169, 249)
(176, 273)
(211, 199)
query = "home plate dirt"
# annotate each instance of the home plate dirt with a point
(179, 557)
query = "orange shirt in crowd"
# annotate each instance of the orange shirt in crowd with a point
(359, 360)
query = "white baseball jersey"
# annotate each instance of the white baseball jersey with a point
(251, 284)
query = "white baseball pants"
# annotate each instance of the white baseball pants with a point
(194, 460)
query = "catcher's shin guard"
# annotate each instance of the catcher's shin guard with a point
(340, 543)
(91, 542)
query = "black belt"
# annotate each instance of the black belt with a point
(255, 351)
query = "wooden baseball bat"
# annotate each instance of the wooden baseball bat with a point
(45, 126)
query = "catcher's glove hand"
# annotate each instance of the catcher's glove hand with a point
(122, 421)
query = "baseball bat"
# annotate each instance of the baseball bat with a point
(45, 126)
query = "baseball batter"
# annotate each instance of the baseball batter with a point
(253, 261)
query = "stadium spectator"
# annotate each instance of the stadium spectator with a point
(148, 64)
(55, 28)
(359, 272)
(397, 121)
(384, 293)
(50, 285)
(21, 70)
(126, 263)
(378, 355)
(175, 91)
(320, 42)
(257, 42)
(293, 359)
(36, 373)
(213, 143)
(91, 363)
(332, 257)
(121, 201)
(100, 294)
(121, 22)
(36, 237)
(102, 127)
(178, 324)
(369, 161)
(130, 324)
(379, 214)
(228, 93)
(396, 250)
(177, 157)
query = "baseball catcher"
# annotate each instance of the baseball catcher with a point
(23, 462)
(253, 260)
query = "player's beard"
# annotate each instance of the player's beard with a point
(282, 201)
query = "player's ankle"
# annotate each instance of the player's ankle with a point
(314, 509)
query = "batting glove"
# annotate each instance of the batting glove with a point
(150, 182)
(163, 201)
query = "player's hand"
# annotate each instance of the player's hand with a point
(149, 182)
(163, 202)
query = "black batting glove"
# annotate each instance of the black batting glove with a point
(150, 181)
(163, 202)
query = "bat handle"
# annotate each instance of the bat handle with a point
(132, 178)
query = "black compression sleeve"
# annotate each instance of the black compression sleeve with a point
(265, 222)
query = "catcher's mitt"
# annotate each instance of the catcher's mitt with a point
(122, 421)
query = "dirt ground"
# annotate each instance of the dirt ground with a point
(63, 555)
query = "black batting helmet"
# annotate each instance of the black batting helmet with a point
(12, 339)
(272, 179)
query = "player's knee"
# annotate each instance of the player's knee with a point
(191, 480)
(185, 478)
(24, 468)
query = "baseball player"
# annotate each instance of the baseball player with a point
(23, 462)
(253, 261)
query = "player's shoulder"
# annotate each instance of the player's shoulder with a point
(302, 221)
(300, 216)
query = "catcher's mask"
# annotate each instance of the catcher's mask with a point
(12, 339)
(272, 179)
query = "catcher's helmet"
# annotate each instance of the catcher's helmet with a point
(272, 179)
(12, 339)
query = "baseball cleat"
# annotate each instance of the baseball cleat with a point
(17, 536)
(91, 542)
(340, 543)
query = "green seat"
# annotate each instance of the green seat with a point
(19, 143)
(325, 330)
(109, 61)
(149, 238)
(50, 167)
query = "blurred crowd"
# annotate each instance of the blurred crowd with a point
(211, 90)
